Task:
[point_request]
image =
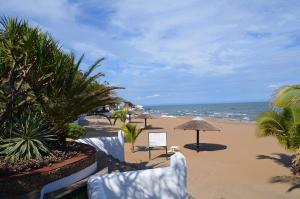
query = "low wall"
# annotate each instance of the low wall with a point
(167, 182)
(110, 145)
(67, 181)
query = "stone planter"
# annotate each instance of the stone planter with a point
(23, 185)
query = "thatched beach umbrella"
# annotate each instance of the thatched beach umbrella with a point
(145, 116)
(130, 113)
(197, 124)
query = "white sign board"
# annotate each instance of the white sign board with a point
(157, 139)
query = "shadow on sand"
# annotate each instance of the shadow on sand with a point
(164, 155)
(281, 159)
(206, 147)
(100, 131)
(136, 122)
(140, 148)
(145, 148)
(286, 161)
(98, 123)
(294, 181)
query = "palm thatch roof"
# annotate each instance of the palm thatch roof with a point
(145, 116)
(129, 104)
(199, 124)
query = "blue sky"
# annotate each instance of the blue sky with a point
(176, 52)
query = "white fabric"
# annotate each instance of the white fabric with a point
(110, 145)
(168, 183)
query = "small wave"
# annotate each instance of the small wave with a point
(246, 118)
(217, 113)
(235, 114)
(168, 116)
(243, 112)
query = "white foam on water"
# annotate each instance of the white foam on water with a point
(239, 111)
(216, 113)
(198, 118)
(246, 118)
(169, 116)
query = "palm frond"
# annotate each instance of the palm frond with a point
(281, 125)
(288, 96)
(270, 123)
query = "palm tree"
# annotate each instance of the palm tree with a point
(36, 74)
(25, 54)
(282, 125)
(121, 115)
(73, 93)
(284, 122)
(131, 133)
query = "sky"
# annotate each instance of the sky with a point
(175, 51)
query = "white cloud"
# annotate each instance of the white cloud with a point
(175, 47)
(149, 96)
(274, 86)
(205, 38)
(191, 36)
(91, 51)
(48, 10)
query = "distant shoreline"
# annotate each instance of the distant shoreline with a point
(208, 103)
(247, 111)
(209, 118)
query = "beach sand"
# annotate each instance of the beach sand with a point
(231, 164)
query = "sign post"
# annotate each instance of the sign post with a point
(157, 139)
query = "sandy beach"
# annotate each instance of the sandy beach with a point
(232, 163)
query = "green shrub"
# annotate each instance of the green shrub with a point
(37, 74)
(121, 115)
(75, 131)
(29, 138)
(131, 132)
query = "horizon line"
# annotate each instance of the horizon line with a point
(204, 103)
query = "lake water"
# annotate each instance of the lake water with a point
(234, 111)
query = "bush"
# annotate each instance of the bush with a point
(75, 131)
(121, 115)
(36, 74)
(71, 149)
(29, 138)
(131, 132)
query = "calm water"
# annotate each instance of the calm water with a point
(235, 111)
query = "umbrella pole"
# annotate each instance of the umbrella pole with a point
(145, 122)
(198, 144)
